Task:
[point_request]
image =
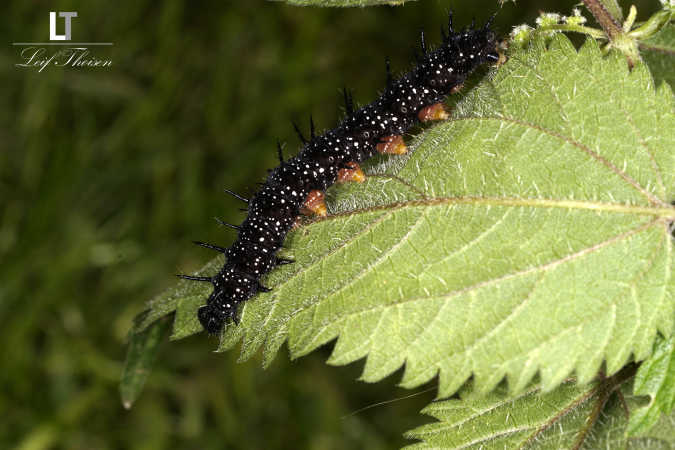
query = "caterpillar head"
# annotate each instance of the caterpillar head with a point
(230, 288)
(210, 319)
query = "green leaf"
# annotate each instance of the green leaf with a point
(528, 234)
(659, 53)
(571, 416)
(143, 347)
(655, 378)
(343, 3)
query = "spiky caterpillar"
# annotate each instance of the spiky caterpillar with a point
(297, 185)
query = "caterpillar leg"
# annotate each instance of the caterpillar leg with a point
(392, 145)
(500, 48)
(296, 223)
(436, 111)
(457, 88)
(315, 204)
(352, 172)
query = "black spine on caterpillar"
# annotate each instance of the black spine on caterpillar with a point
(274, 208)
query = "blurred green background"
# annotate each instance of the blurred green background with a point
(107, 174)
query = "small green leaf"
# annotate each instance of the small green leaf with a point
(659, 53)
(141, 354)
(655, 378)
(569, 417)
(343, 3)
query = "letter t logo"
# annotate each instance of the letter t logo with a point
(52, 25)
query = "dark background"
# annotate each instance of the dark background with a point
(107, 174)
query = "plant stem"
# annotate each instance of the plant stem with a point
(593, 32)
(617, 37)
(604, 18)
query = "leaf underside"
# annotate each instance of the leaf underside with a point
(592, 416)
(528, 234)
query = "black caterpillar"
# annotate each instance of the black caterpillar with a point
(297, 185)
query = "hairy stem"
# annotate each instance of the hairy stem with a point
(608, 23)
